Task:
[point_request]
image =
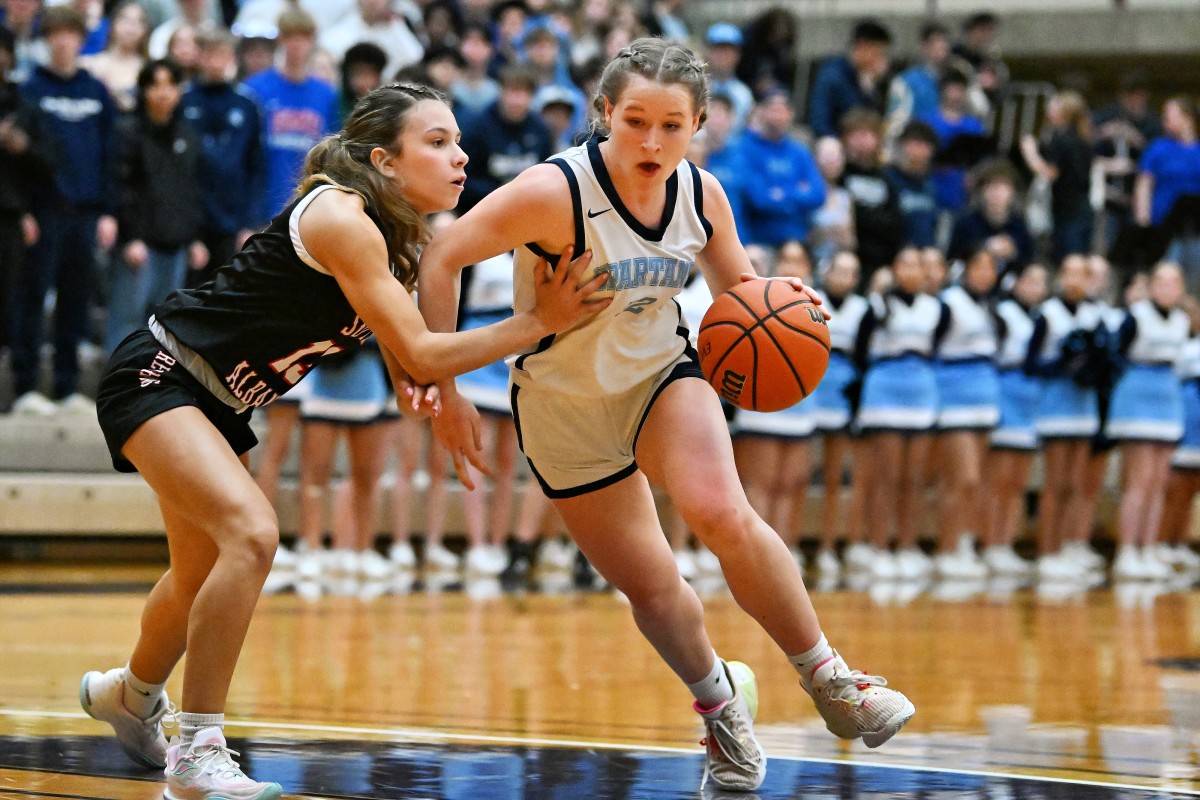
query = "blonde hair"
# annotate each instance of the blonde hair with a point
(1074, 112)
(657, 60)
(345, 159)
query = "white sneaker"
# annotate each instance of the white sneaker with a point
(482, 560)
(828, 565)
(1128, 564)
(855, 704)
(555, 555)
(911, 564)
(437, 557)
(685, 562)
(35, 404)
(859, 556)
(77, 405)
(1084, 555)
(102, 695)
(797, 556)
(373, 566)
(960, 565)
(883, 565)
(707, 562)
(1184, 557)
(207, 771)
(1056, 567)
(733, 757)
(1155, 570)
(343, 561)
(310, 563)
(1001, 559)
(401, 555)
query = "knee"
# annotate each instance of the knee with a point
(656, 599)
(722, 524)
(254, 539)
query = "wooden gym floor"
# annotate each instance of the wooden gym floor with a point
(434, 691)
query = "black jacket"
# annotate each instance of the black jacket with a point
(159, 173)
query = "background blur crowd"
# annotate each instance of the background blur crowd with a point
(142, 141)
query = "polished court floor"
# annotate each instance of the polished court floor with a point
(445, 690)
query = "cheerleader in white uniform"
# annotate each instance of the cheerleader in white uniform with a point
(896, 345)
(1185, 463)
(1147, 418)
(1014, 441)
(969, 398)
(772, 449)
(1061, 354)
(831, 406)
(489, 299)
(1077, 536)
(346, 398)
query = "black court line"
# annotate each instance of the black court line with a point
(353, 770)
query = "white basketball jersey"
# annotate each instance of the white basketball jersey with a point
(845, 321)
(642, 332)
(1018, 325)
(1158, 339)
(972, 331)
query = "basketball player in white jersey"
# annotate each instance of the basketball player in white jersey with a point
(610, 407)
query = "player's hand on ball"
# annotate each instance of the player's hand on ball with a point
(457, 428)
(796, 284)
(561, 299)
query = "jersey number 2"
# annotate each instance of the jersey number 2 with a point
(638, 306)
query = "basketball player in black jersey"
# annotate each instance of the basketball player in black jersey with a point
(336, 265)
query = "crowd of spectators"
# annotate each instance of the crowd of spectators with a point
(142, 141)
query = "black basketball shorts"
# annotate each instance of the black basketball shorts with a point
(141, 381)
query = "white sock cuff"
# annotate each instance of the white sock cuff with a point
(711, 691)
(810, 659)
(144, 687)
(187, 719)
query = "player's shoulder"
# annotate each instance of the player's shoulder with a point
(339, 212)
(540, 184)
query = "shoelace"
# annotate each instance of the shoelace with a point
(859, 681)
(168, 714)
(218, 760)
(738, 751)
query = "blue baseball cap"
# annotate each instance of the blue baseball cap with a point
(724, 33)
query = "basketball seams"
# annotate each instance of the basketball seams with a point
(747, 333)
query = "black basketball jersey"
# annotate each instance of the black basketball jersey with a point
(265, 319)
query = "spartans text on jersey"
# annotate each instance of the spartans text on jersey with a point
(629, 273)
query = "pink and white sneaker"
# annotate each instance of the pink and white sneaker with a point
(207, 771)
(855, 704)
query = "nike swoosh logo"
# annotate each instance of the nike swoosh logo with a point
(592, 214)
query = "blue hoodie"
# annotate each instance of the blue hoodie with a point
(77, 116)
(784, 190)
(230, 129)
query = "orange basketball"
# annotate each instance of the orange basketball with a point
(763, 345)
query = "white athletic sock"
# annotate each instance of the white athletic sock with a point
(807, 662)
(190, 724)
(714, 689)
(141, 698)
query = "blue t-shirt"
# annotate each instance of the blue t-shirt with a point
(1176, 170)
(295, 116)
(950, 182)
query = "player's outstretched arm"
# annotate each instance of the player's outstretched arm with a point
(343, 239)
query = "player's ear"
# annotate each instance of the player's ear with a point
(381, 159)
(608, 110)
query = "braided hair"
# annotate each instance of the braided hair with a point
(657, 60)
(344, 159)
